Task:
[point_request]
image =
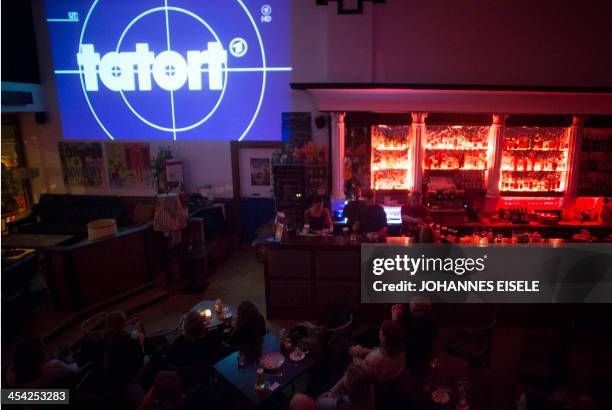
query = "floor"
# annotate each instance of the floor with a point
(239, 278)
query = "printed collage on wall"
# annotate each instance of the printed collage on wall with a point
(82, 163)
(127, 165)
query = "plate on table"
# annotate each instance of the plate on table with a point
(227, 316)
(297, 356)
(272, 361)
(440, 395)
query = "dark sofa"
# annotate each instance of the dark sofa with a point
(84, 273)
(69, 214)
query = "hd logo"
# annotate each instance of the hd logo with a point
(166, 69)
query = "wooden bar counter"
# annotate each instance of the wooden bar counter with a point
(306, 275)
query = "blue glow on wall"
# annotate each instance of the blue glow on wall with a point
(171, 69)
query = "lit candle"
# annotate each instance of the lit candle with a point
(207, 314)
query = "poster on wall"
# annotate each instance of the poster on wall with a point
(174, 175)
(175, 70)
(82, 163)
(260, 171)
(128, 165)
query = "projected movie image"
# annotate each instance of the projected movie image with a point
(171, 69)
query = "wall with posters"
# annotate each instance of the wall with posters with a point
(528, 45)
(206, 162)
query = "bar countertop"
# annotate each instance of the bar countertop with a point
(266, 239)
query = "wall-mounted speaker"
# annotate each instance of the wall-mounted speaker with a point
(321, 121)
(40, 117)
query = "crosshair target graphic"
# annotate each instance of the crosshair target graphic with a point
(173, 68)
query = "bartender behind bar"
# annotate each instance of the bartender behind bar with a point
(414, 215)
(355, 209)
(318, 217)
(372, 219)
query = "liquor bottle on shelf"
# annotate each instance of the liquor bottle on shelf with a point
(389, 157)
(389, 137)
(534, 159)
(456, 137)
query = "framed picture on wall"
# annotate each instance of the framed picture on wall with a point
(252, 167)
(260, 171)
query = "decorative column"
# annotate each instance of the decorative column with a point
(418, 131)
(494, 160)
(574, 155)
(337, 159)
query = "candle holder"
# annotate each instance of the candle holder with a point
(206, 314)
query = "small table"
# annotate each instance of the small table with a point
(34, 241)
(215, 320)
(244, 379)
(18, 270)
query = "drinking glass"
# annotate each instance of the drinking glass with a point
(279, 374)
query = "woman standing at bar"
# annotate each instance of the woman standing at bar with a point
(318, 217)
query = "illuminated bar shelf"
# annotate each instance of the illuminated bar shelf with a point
(390, 168)
(458, 152)
(533, 170)
(534, 149)
(383, 148)
(456, 169)
(455, 149)
(394, 168)
(534, 159)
